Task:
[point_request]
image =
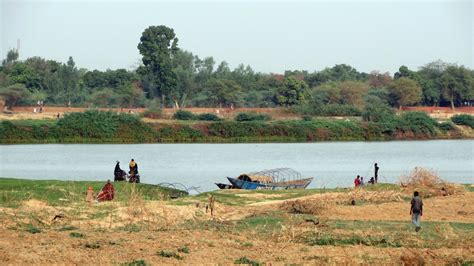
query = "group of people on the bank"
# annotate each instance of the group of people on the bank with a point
(416, 204)
(108, 192)
(121, 175)
(359, 180)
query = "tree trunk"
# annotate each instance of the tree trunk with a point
(452, 102)
(163, 101)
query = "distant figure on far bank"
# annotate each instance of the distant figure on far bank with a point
(376, 174)
(133, 167)
(416, 210)
(362, 181)
(357, 181)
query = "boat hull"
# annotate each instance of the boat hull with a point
(297, 184)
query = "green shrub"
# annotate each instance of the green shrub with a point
(241, 117)
(208, 117)
(463, 119)
(184, 115)
(446, 126)
(327, 110)
(89, 124)
(152, 113)
(418, 123)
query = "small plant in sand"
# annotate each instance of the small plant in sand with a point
(136, 263)
(77, 235)
(245, 260)
(32, 229)
(184, 249)
(169, 254)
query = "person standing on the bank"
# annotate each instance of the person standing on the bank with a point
(416, 210)
(376, 174)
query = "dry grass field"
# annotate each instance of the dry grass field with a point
(252, 227)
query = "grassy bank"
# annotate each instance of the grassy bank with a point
(107, 127)
(54, 192)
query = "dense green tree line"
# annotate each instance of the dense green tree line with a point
(172, 77)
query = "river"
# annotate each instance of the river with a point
(332, 164)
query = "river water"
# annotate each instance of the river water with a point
(332, 164)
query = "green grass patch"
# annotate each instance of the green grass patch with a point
(33, 229)
(245, 260)
(169, 254)
(135, 263)
(68, 228)
(77, 235)
(184, 249)
(55, 192)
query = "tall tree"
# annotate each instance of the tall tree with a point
(457, 85)
(158, 45)
(352, 92)
(292, 92)
(12, 56)
(404, 91)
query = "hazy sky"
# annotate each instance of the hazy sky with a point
(269, 36)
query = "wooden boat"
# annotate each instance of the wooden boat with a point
(224, 186)
(280, 178)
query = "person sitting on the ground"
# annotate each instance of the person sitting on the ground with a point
(357, 181)
(133, 167)
(119, 174)
(134, 176)
(107, 192)
(372, 181)
(90, 195)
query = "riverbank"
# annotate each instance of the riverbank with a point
(107, 127)
(278, 227)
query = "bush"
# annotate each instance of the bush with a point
(208, 117)
(184, 115)
(464, 119)
(446, 126)
(327, 110)
(418, 123)
(90, 124)
(152, 113)
(241, 117)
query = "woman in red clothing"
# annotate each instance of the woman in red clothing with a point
(357, 181)
(107, 192)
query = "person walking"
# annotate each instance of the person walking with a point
(416, 210)
(376, 174)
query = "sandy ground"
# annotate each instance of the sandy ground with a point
(165, 229)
